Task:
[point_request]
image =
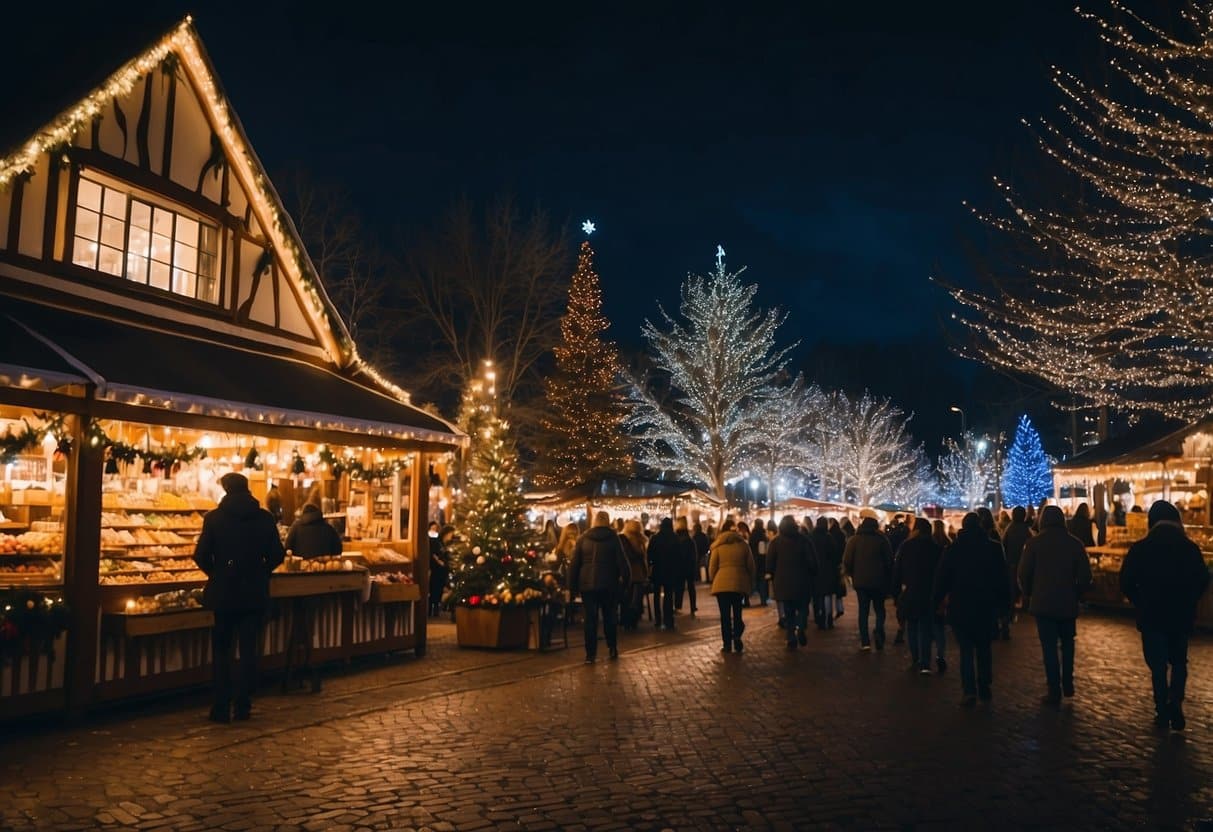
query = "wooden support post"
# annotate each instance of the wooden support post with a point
(419, 511)
(82, 554)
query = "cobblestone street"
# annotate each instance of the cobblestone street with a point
(673, 735)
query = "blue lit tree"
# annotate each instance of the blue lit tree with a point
(1028, 477)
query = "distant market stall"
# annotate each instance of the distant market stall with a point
(629, 497)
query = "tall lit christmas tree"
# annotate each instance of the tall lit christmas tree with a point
(493, 562)
(1114, 306)
(1028, 477)
(584, 425)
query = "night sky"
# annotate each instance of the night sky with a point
(828, 146)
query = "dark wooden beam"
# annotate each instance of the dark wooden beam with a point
(82, 554)
(14, 215)
(50, 220)
(170, 112)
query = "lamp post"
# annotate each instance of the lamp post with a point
(964, 425)
(754, 494)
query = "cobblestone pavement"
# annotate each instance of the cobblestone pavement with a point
(674, 735)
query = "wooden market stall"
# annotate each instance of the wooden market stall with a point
(162, 325)
(1122, 478)
(629, 497)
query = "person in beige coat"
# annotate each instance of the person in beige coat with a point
(731, 570)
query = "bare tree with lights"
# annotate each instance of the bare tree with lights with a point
(783, 443)
(920, 487)
(1116, 308)
(719, 361)
(966, 471)
(873, 449)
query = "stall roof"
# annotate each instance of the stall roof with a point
(30, 363)
(1146, 444)
(627, 488)
(156, 369)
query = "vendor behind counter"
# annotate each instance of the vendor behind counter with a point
(311, 536)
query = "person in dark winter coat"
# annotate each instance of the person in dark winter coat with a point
(1002, 625)
(868, 561)
(758, 545)
(600, 573)
(791, 565)
(1164, 577)
(685, 582)
(1080, 525)
(825, 585)
(440, 565)
(311, 536)
(840, 544)
(665, 561)
(1013, 540)
(1053, 573)
(913, 583)
(238, 548)
(703, 548)
(635, 546)
(972, 581)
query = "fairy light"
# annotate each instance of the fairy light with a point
(1123, 314)
(584, 431)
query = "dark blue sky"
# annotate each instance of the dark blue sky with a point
(828, 146)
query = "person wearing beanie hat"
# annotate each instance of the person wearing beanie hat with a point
(1164, 576)
(238, 548)
(1053, 572)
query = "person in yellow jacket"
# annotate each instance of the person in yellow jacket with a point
(731, 570)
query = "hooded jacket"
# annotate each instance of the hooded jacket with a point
(914, 575)
(312, 536)
(829, 562)
(665, 555)
(1164, 575)
(731, 564)
(599, 563)
(792, 563)
(1054, 570)
(238, 549)
(868, 559)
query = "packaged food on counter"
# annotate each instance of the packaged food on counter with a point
(392, 578)
(383, 554)
(178, 599)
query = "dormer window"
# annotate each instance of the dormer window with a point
(127, 236)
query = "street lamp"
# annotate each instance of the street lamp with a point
(964, 428)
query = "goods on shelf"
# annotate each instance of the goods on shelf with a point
(178, 599)
(321, 564)
(33, 543)
(383, 554)
(39, 568)
(392, 578)
(153, 577)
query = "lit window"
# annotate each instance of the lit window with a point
(127, 237)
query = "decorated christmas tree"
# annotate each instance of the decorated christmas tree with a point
(584, 425)
(1028, 477)
(493, 560)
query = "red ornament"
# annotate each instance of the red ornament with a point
(8, 631)
(474, 601)
(507, 559)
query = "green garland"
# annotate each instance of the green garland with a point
(12, 445)
(357, 471)
(28, 622)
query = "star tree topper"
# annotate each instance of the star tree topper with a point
(588, 227)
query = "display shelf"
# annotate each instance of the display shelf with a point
(31, 554)
(137, 624)
(384, 593)
(295, 584)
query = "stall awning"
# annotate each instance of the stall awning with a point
(150, 368)
(30, 363)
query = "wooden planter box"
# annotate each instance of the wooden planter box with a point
(501, 628)
(393, 593)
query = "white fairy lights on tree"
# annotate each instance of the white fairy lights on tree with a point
(1118, 308)
(788, 420)
(719, 360)
(966, 471)
(873, 451)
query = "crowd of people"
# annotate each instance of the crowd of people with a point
(973, 581)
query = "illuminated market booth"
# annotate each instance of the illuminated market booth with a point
(1126, 477)
(162, 326)
(629, 498)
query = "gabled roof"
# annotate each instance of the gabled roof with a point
(183, 42)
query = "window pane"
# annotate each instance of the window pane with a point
(136, 268)
(206, 265)
(111, 231)
(160, 276)
(138, 242)
(89, 195)
(185, 257)
(162, 222)
(110, 261)
(115, 203)
(88, 223)
(210, 240)
(187, 231)
(207, 289)
(141, 215)
(161, 248)
(84, 253)
(183, 282)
